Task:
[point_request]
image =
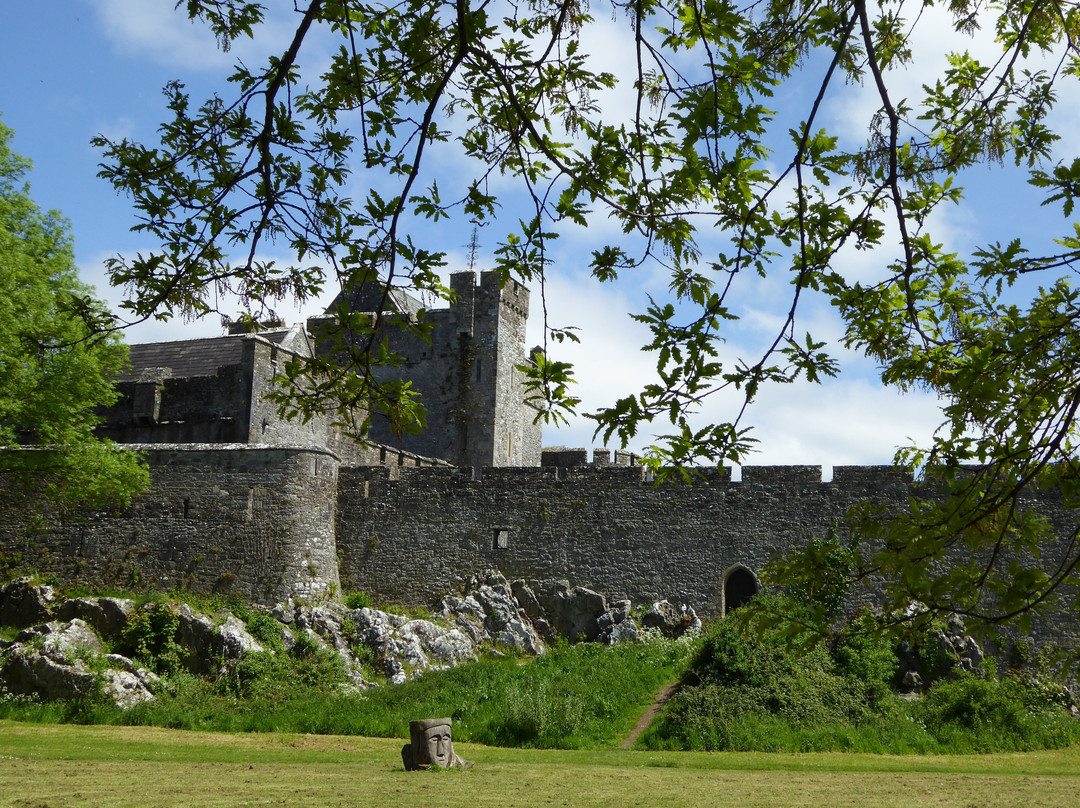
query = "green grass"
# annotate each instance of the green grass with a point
(138, 767)
(576, 696)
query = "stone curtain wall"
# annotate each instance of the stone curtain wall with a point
(606, 528)
(252, 521)
(268, 523)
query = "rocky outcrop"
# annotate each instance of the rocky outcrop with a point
(108, 616)
(672, 620)
(67, 657)
(579, 614)
(956, 645)
(208, 643)
(23, 603)
(957, 653)
(489, 614)
(52, 661)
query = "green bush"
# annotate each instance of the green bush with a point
(870, 660)
(150, 637)
(266, 630)
(986, 714)
(742, 680)
(358, 600)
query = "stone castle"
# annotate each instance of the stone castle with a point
(243, 502)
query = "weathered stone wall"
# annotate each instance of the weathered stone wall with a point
(226, 406)
(605, 527)
(234, 519)
(273, 522)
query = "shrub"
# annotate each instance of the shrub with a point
(150, 636)
(358, 600)
(266, 630)
(976, 714)
(870, 660)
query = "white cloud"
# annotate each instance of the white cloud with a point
(848, 420)
(164, 35)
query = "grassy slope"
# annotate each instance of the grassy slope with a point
(581, 696)
(59, 766)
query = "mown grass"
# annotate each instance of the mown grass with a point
(74, 766)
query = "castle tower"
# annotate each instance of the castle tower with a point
(466, 375)
(495, 422)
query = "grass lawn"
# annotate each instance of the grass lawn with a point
(56, 766)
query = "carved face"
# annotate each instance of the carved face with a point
(440, 751)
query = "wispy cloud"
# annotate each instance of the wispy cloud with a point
(163, 35)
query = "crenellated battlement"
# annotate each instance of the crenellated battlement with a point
(573, 467)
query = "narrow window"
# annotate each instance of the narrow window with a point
(500, 539)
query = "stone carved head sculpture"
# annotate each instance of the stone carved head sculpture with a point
(430, 745)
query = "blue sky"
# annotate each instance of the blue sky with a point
(77, 68)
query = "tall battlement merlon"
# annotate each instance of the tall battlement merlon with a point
(784, 475)
(562, 457)
(463, 304)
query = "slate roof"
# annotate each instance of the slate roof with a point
(189, 357)
(369, 297)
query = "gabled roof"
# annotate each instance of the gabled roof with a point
(370, 296)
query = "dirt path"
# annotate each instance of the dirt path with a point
(654, 709)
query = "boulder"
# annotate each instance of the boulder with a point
(616, 626)
(49, 662)
(25, 670)
(672, 620)
(62, 641)
(572, 611)
(24, 603)
(233, 639)
(451, 648)
(207, 643)
(128, 688)
(108, 616)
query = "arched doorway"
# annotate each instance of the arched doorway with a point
(740, 584)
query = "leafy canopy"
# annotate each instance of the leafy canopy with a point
(708, 181)
(56, 365)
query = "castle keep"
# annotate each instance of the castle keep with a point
(242, 502)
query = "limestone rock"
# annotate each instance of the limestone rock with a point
(207, 643)
(672, 620)
(572, 611)
(128, 688)
(108, 616)
(25, 670)
(62, 641)
(445, 647)
(233, 639)
(616, 626)
(23, 603)
(955, 644)
(451, 648)
(489, 612)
